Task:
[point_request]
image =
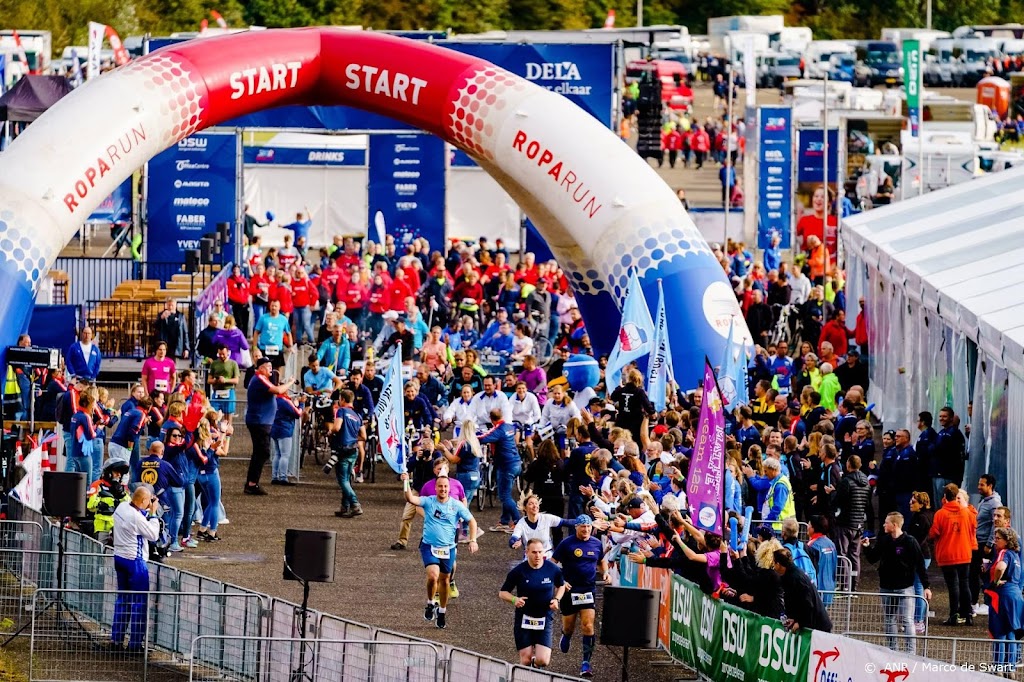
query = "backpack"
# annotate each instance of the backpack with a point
(61, 415)
(802, 560)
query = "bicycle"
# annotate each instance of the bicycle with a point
(314, 432)
(372, 452)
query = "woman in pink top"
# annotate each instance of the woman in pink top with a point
(434, 353)
(158, 371)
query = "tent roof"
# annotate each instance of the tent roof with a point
(957, 252)
(31, 96)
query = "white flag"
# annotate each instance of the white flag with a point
(390, 415)
(96, 32)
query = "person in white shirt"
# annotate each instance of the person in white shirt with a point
(559, 409)
(799, 287)
(522, 344)
(536, 525)
(525, 408)
(490, 399)
(135, 526)
(461, 411)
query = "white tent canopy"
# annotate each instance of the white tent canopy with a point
(942, 279)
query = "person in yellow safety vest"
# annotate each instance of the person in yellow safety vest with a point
(104, 496)
(12, 395)
(778, 500)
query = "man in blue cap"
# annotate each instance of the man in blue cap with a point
(581, 558)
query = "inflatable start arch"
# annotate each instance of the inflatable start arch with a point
(602, 210)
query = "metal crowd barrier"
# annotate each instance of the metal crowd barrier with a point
(869, 612)
(316, 660)
(973, 654)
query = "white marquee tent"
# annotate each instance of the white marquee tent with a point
(943, 280)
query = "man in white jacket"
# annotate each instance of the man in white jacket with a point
(135, 526)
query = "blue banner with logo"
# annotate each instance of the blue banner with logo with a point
(117, 208)
(192, 187)
(300, 156)
(775, 182)
(811, 155)
(407, 187)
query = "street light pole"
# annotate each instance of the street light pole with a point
(640, 13)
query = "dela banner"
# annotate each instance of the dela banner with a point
(191, 187)
(723, 642)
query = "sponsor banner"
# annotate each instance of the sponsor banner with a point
(841, 659)
(775, 176)
(704, 482)
(299, 156)
(95, 50)
(407, 185)
(912, 82)
(723, 642)
(116, 208)
(811, 156)
(192, 187)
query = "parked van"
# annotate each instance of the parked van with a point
(675, 94)
(972, 59)
(774, 69)
(819, 54)
(879, 64)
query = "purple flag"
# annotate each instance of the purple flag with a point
(704, 487)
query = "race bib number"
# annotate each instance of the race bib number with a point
(222, 394)
(441, 552)
(273, 350)
(581, 598)
(160, 384)
(533, 623)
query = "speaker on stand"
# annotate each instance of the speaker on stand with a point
(630, 619)
(309, 558)
(64, 497)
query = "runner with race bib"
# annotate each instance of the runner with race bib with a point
(539, 585)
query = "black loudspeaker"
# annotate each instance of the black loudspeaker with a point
(64, 494)
(630, 617)
(191, 261)
(224, 230)
(206, 251)
(310, 555)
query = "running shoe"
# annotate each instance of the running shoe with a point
(441, 620)
(430, 611)
(499, 528)
(585, 670)
(176, 548)
(190, 542)
(359, 478)
(565, 643)
(453, 591)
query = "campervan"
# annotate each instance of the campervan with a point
(794, 39)
(972, 57)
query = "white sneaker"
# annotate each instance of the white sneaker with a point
(223, 522)
(359, 478)
(980, 609)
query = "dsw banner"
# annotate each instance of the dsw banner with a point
(723, 642)
(192, 186)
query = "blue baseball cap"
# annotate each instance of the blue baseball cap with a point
(584, 520)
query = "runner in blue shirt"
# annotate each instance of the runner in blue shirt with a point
(268, 334)
(441, 517)
(318, 379)
(581, 559)
(539, 585)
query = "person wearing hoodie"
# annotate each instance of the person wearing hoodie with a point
(853, 495)
(954, 529)
(829, 388)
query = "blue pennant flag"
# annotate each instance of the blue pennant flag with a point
(732, 377)
(659, 369)
(390, 415)
(636, 334)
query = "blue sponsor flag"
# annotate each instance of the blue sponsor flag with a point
(732, 378)
(390, 415)
(659, 369)
(635, 334)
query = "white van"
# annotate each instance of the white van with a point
(817, 58)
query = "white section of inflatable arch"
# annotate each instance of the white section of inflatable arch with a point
(601, 208)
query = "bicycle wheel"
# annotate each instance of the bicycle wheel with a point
(478, 499)
(370, 460)
(542, 349)
(320, 445)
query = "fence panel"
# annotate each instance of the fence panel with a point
(872, 612)
(844, 574)
(349, 659)
(69, 645)
(466, 666)
(977, 654)
(400, 661)
(524, 674)
(94, 278)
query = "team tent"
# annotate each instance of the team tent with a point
(945, 304)
(31, 96)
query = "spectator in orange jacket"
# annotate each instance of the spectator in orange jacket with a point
(818, 260)
(953, 531)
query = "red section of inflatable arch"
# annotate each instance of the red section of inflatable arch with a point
(413, 82)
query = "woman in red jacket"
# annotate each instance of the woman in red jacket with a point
(238, 297)
(954, 533)
(379, 302)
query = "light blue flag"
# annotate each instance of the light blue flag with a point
(635, 334)
(390, 415)
(659, 369)
(76, 70)
(732, 378)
